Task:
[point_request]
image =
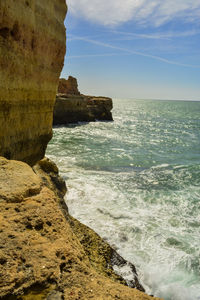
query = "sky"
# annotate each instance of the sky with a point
(141, 49)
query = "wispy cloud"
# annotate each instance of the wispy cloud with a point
(132, 52)
(96, 55)
(156, 36)
(146, 12)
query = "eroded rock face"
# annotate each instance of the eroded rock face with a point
(69, 109)
(32, 48)
(75, 108)
(100, 108)
(45, 253)
(68, 86)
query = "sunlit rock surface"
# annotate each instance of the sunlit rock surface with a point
(32, 48)
(44, 252)
(68, 86)
(72, 107)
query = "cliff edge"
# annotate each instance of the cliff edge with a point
(68, 86)
(32, 49)
(71, 106)
(44, 252)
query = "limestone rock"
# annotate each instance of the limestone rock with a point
(43, 251)
(74, 108)
(32, 48)
(100, 107)
(48, 173)
(17, 182)
(68, 86)
(70, 109)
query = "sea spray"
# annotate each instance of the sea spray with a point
(136, 182)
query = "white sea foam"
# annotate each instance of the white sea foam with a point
(136, 181)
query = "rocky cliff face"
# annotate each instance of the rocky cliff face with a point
(45, 253)
(72, 107)
(68, 86)
(75, 108)
(32, 48)
(99, 108)
(69, 109)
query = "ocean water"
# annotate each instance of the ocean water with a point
(136, 182)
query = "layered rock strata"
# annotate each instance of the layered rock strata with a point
(68, 86)
(73, 109)
(44, 252)
(32, 48)
(99, 108)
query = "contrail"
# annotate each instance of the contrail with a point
(106, 45)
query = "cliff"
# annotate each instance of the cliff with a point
(72, 107)
(68, 86)
(32, 48)
(44, 252)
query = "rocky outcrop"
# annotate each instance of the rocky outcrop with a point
(80, 108)
(44, 252)
(69, 109)
(99, 108)
(32, 48)
(68, 86)
(73, 109)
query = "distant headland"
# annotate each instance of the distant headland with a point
(71, 106)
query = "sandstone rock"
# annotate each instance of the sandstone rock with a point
(17, 182)
(70, 109)
(74, 108)
(48, 173)
(46, 254)
(102, 256)
(32, 48)
(68, 86)
(100, 107)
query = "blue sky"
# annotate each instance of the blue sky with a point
(145, 49)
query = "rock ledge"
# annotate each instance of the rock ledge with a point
(44, 252)
(73, 107)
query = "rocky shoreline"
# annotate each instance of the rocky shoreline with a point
(45, 254)
(73, 107)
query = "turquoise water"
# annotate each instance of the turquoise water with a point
(136, 181)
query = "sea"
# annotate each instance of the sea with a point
(136, 182)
